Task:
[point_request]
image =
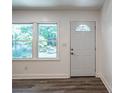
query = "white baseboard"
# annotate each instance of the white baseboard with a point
(97, 75)
(105, 82)
(39, 76)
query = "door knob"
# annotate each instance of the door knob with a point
(72, 49)
(72, 53)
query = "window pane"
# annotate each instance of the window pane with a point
(22, 31)
(83, 28)
(47, 31)
(22, 49)
(47, 49)
(47, 40)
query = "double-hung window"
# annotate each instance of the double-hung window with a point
(46, 41)
(22, 41)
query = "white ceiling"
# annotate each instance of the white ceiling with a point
(57, 4)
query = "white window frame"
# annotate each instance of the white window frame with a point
(57, 41)
(25, 40)
(35, 35)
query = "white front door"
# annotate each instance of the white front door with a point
(83, 48)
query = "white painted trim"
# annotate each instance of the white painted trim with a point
(97, 74)
(40, 76)
(105, 82)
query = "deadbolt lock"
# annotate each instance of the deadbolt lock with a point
(72, 53)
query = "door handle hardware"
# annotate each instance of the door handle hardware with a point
(72, 49)
(72, 53)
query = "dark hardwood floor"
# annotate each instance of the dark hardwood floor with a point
(72, 85)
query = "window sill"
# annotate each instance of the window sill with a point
(43, 59)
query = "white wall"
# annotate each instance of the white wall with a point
(59, 68)
(106, 45)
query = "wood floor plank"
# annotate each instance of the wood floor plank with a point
(71, 85)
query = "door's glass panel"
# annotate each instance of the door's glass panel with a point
(83, 28)
(21, 49)
(47, 45)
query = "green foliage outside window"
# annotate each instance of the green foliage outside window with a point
(22, 40)
(47, 40)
